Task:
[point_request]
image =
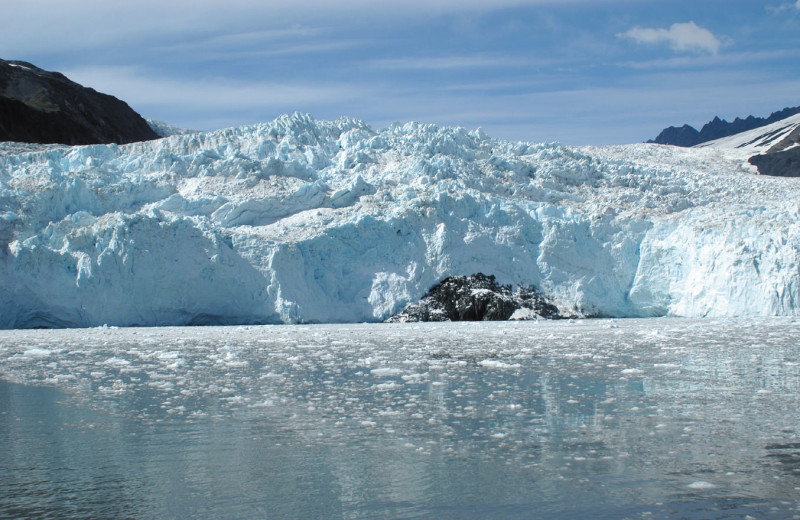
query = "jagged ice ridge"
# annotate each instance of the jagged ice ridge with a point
(298, 220)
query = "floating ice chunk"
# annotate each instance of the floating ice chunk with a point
(701, 485)
(387, 386)
(116, 362)
(35, 353)
(494, 363)
(522, 314)
(386, 372)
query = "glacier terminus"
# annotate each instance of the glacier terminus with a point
(305, 221)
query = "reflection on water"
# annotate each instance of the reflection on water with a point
(616, 419)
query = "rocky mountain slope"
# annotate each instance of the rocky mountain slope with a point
(45, 107)
(298, 220)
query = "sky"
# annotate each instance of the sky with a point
(582, 72)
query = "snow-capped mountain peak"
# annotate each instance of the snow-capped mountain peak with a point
(757, 141)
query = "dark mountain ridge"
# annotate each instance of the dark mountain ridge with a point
(37, 106)
(717, 128)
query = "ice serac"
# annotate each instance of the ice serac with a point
(299, 220)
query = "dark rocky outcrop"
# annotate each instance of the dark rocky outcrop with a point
(717, 128)
(779, 164)
(37, 106)
(685, 136)
(782, 159)
(476, 298)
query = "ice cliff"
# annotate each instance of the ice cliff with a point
(299, 220)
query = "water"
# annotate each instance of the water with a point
(641, 419)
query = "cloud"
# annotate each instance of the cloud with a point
(44, 25)
(238, 40)
(680, 37)
(448, 62)
(735, 59)
(198, 103)
(777, 9)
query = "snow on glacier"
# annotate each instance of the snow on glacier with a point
(299, 220)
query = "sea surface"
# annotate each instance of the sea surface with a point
(640, 419)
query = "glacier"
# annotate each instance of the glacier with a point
(305, 221)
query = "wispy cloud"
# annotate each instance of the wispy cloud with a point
(236, 40)
(784, 7)
(189, 101)
(447, 62)
(729, 59)
(680, 37)
(322, 47)
(296, 40)
(41, 25)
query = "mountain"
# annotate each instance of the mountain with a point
(299, 220)
(683, 136)
(718, 128)
(773, 149)
(37, 106)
